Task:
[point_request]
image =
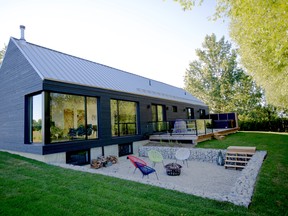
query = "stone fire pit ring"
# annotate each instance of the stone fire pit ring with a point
(173, 169)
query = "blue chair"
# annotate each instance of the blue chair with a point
(146, 170)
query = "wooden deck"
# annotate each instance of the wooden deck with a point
(192, 138)
(189, 138)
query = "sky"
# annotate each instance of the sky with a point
(151, 38)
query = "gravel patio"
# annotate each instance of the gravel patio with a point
(203, 177)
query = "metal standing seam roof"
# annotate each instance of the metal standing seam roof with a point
(58, 66)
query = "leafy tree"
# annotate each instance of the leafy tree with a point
(217, 80)
(37, 125)
(188, 4)
(260, 28)
(2, 52)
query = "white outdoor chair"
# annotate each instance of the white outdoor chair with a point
(182, 154)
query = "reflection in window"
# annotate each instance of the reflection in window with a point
(36, 126)
(158, 117)
(202, 113)
(123, 118)
(154, 113)
(190, 113)
(68, 117)
(160, 113)
(92, 130)
(157, 113)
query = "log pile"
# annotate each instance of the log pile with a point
(96, 164)
(103, 162)
(112, 159)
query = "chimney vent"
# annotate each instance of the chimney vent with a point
(22, 29)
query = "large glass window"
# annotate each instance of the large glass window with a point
(157, 113)
(92, 129)
(123, 118)
(190, 113)
(202, 113)
(158, 117)
(72, 117)
(36, 120)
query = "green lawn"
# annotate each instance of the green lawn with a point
(28, 187)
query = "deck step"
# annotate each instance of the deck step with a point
(238, 156)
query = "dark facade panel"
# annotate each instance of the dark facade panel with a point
(104, 118)
(17, 79)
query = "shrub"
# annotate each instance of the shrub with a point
(277, 125)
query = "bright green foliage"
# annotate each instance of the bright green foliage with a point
(260, 28)
(188, 4)
(217, 80)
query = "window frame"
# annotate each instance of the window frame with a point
(48, 126)
(192, 112)
(163, 117)
(159, 123)
(175, 109)
(136, 123)
(28, 118)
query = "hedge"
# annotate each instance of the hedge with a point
(277, 125)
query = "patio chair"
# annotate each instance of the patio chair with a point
(182, 154)
(134, 159)
(180, 127)
(146, 170)
(155, 157)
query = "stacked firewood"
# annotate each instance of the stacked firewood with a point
(112, 159)
(96, 164)
(103, 162)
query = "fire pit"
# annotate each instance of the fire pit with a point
(173, 169)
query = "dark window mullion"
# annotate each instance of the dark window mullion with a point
(157, 119)
(118, 119)
(46, 119)
(28, 131)
(85, 111)
(31, 119)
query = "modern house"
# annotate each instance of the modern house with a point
(55, 106)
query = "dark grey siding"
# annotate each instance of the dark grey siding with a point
(17, 79)
(104, 126)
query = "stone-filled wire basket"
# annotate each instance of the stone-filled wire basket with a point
(173, 169)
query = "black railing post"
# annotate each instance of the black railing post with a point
(196, 127)
(212, 126)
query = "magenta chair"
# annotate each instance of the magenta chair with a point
(134, 159)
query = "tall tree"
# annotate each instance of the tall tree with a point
(216, 79)
(260, 28)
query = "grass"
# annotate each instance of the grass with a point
(28, 187)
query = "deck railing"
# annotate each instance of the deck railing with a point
(181, 126)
